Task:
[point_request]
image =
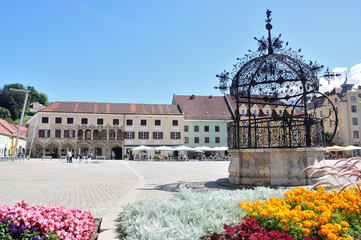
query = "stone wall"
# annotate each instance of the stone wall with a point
(273, 167)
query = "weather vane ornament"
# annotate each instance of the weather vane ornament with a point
(277, 77)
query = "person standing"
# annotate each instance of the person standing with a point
(67, 156)
(70, 156)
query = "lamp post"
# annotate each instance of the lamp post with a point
(21, 119)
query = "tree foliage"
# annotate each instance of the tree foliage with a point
(13, 101)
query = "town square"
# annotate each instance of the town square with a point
(180, 120)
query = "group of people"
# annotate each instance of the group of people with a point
(69, 156)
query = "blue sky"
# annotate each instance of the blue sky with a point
(144, 51)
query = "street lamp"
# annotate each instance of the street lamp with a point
(21, 119)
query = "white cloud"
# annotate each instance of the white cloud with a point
(355, 75)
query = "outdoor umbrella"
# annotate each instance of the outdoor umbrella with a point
(223, 148)
(336, 148)
(351, 148)
(163, 148)
(203, 148)
(142, 148)
(183, 148)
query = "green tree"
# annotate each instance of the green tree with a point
(4, 113)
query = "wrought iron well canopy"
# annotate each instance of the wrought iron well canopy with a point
(276, 78)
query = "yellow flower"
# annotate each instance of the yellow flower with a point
(307, 224)
(286, 228)
(344, 223)
(331, 236)
(295, 219)
(254, 214)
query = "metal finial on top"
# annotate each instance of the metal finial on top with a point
(269, 27)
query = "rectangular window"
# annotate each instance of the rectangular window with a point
(267, 111)
(206, 128)
(216, 128)
(129, 122)
(57, 133)
(321, 115)
(186, 128)
(353, 109)
(186, 139)
(143, 135)
(217, 140)
(243, 111)
(70, 120)
(100, 121)
(175, 135)
(43, 133)
(196, 140)
(355, 134)
(129, 135)
(206, 140)
(84, 121)
(335, 100)
(115, 121)
(254, 111)
(280, 111)
(58, 120)
(196, 128)
(157, 122)
(69, 133)
(157, 135)
(175, 122)
(353, 98)
(354, 121)
(143, 122)
(44, 120)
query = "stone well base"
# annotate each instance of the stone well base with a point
(273, 167)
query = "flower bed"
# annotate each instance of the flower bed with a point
(302, 214)
(46, 222)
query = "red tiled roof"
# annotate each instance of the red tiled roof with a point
(203, 107)
(112, 108)
(11, 129)
(335, 91)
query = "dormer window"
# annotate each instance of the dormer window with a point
(280, 111)
(255, 111)
(267, 111)
(243, 111)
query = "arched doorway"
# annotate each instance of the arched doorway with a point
(116, 153)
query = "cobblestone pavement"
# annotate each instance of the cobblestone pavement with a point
(96, 187)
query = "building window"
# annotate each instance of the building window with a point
(129, 135)
(175, 122)
(354, 121)
(321, 114)
(186, 139)
(129, 122)
(355, 134)
(70, 120)
(267, 111)
(353, 109)
(335, 100)
(69, 133)
(58, 120)
(196, 140)
(353, 98)
(157, 122)
(196, 128)
(338, 135)
(44, 133)
(143, 122)
(57, 133)
(255, 111)
(280, 111)
(216, 128)
(100, 121)
(186, 128)
(157, 135)
(116, 122)
(217, 140)
(44, 120)
(84, 121)
(175, 135)
(206, 128)
(143, 135)
(243, 111)
(336, 110)
(206, 139)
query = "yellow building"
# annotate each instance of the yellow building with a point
(346, 100)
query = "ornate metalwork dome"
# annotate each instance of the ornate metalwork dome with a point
(274, 75)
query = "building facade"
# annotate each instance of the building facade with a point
(347, 102)
(8, 133)
(205, 119)
(107, 130)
